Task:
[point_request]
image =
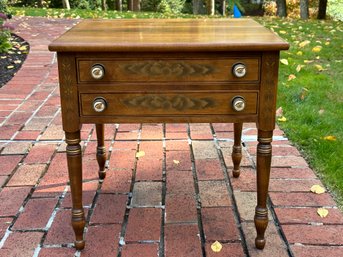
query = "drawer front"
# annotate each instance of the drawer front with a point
(169, 70)
(168, 104)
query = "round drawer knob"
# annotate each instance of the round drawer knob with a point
(238, 103)
(99, 104)
(97, 71)
(239, 70)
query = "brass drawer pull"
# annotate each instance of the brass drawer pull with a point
(99, 104)
(239, 70)
(97, 71)
(238, 103)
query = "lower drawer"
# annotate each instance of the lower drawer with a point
(176, 103)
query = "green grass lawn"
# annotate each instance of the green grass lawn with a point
(311, 94)
(94, 14)
(310, 86)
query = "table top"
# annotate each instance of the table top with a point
(174, 35)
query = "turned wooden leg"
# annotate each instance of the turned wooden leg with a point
(101, 150)
(264, 154)
(237, 149)
(75, 176)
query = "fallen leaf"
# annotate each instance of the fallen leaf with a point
(304, 93)
(330, 138)
(304, 43)
(282, 119)
(327, 43)
(216, 247)
(3, 57)
(176, 161)
(321, 111)
(299, 67)
(279, 112)
(319, 67)
(308, 61)
(282, 32)
(299, 53)
(316, 49)
(22, 48)
(284, 61)
(17, 61)
(140, 154)
(291, 77)
(317, 189)
(10, 67)
(322, 212)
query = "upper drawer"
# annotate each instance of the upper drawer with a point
(169, 70)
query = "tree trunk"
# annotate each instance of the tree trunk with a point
(130, 5)
(281, 8)
(196, 6)
(210, 7)
(119, 5)
(66, 4)
(322, 9)
(304, 14)
(103, 5)
(136, 5)
(40, 3)
(223, 7)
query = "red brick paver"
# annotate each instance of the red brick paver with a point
(174, 201)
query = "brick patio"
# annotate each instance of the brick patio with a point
(175, 201)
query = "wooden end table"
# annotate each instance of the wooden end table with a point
(168, 71)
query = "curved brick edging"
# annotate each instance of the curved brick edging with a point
(148, 205)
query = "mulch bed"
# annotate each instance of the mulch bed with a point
(11, 61)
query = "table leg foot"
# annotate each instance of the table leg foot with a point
(264, 155)
(74, 159)
(101, 150)
(237, 149)
(261, 223)
(78, 223)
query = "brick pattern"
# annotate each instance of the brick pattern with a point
(176, 200)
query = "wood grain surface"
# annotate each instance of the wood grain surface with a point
(168, 34)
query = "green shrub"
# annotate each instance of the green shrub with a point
(163, 6)
(5, 34)
(335, 9)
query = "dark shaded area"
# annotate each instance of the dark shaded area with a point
(11, 61)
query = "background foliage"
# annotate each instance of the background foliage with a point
(5, 43)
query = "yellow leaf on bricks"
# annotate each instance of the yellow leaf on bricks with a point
(176, 161)
(284, 61)
(322, 212)
(216, 247)
(317, 189)
(330, 138)
(140, 154)
(317, 49)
